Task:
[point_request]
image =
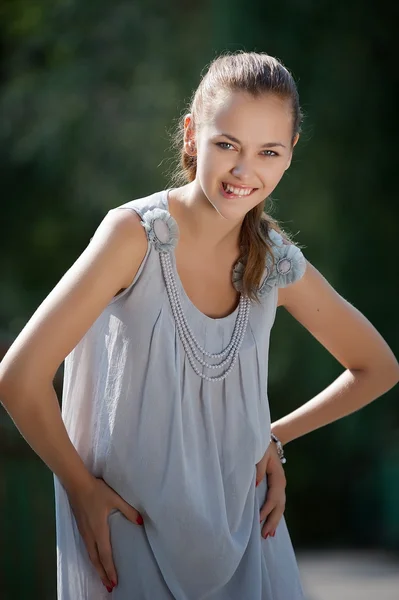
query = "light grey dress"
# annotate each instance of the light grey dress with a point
(180, 449)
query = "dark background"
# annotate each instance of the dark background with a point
(89, 94)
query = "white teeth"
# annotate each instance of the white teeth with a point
(237, 191)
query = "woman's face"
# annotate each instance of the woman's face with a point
(243, 150)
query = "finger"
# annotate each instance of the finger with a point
(103, 543)
(266, 509)
(259, 478)
(130, 512)
(271, 503)
(261, 466)
(260, 473)
(95, 560)
(124, 507)
(269, 528)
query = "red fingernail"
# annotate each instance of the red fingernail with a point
(109, 589)
(257, 483)
(265, 536)
(113, 583)
(139, 520)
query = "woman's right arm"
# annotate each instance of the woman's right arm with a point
(108, 264)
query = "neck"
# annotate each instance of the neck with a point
(198, 219)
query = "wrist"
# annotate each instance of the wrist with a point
(280, 432)
(279, 447)
(81, 483)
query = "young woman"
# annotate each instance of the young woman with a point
(164, 322)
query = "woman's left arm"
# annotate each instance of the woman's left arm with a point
(371, 367)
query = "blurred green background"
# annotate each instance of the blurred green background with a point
(89, 94)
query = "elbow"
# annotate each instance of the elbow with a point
(3, 384)
(16, 389)
(389, 373)
(381, 375)
(395, 374)
(7, 381)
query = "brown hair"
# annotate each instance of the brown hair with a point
(254, 73)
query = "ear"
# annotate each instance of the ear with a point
(189, 135)
(294, 143)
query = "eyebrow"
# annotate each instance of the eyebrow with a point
(267, 145)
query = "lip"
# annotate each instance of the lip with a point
(230, 196)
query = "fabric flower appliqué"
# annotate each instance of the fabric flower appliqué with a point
(162, 229)
(288, 266)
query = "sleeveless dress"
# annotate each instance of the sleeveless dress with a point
(181, 449)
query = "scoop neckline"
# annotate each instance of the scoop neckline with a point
(231, 316)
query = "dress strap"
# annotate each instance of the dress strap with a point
(288, 266)
(161, 228)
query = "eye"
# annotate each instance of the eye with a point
(272, 153)
(223, 145)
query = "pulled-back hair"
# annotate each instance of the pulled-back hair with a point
(256, 74)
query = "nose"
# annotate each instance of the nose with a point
(242, 169)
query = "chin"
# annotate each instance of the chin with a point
(230, 212)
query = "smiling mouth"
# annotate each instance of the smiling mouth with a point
(232, 191)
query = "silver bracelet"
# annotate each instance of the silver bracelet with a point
(279, 445)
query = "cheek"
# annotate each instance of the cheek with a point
(213, 162)
(274, 171)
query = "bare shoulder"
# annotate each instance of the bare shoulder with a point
(312, 300)
(341, 328)
(311, 283)
(121, 233)
(123, 225)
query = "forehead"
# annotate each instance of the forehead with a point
(249, 118)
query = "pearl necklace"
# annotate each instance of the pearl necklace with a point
(188, 339)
